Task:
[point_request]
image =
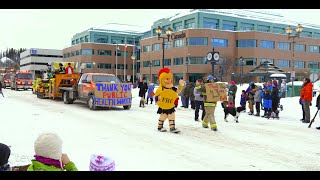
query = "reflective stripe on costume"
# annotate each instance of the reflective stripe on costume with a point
(213, 104)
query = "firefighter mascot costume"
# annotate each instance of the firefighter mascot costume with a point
(167, 98)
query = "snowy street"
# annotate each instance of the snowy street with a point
(132, 139)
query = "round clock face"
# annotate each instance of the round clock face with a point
(216, 56)
(209, 56)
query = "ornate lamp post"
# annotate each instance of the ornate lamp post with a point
(168, 32)
(298, 30)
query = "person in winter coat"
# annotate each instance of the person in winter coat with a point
(69, 69)
(150, 92)
(275, 97)
(49, 156)
(1, 89)
(187, 92)
(250, 93)
(192, 98)
(198, 97)
(143, 88)
(318, 106)
(233, 88)
(243, 99)
(306, 98)
(4, 157)
(257, 99)
(183, 99)
(267, 102)
(283, 89)
(209, 108)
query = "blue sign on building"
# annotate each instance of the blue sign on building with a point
(33, 51)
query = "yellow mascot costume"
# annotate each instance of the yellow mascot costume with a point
(167, 98)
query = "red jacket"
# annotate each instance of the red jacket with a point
(306, 92)
(67, 69)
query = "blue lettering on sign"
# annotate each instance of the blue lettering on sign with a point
(107, 87)
(112, 101)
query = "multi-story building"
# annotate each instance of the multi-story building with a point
(36, 60)
(257, 37)
(107, 49)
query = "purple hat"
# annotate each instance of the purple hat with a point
(101, 163)
(275, 83)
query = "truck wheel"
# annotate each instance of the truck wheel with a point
(127, 107)
(40, 95)
(66, 97)
(91, 103)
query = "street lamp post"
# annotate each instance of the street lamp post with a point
(188, 61)
(298, 30)
(133, 58)
(241, 69)
(117, 49)
(150, 64)
(168, 33)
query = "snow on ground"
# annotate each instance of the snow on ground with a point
(132, 139)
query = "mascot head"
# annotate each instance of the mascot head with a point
(165, 78)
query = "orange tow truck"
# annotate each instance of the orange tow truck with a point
(99, 90)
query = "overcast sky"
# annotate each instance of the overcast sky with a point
(53, 29)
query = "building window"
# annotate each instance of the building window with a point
(262, 28)
(89, 65)
(146, 48)
(246, 27)
(101, 40)
(179, 43)
(77, 41)
(72, 53)
(155, 63)
(73, 42)
(177, 26)
(284, 46)
(77, 53)
(68, 54)
(313, 65)
(156, 47)
(104, 53)
(306, 34)
(64, 55)
(104, 66)
(178, 61)
(81, 39)
(167, 62)
(266, 60)
(194, 41)
(210, 23)
(146, 63)
(219, 42)
(314, 49)
(121, 53)
(316, 35)
(198, 60)
(229, 25)
(86, 38)
(267, 44)
(121, 66)
(283, 63)
(299, 64)
(167, 45)
(247, 43)
(299, 47)
(279, 30)
(87, 51)
(249, 62)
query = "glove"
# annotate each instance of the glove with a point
(176, 102)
